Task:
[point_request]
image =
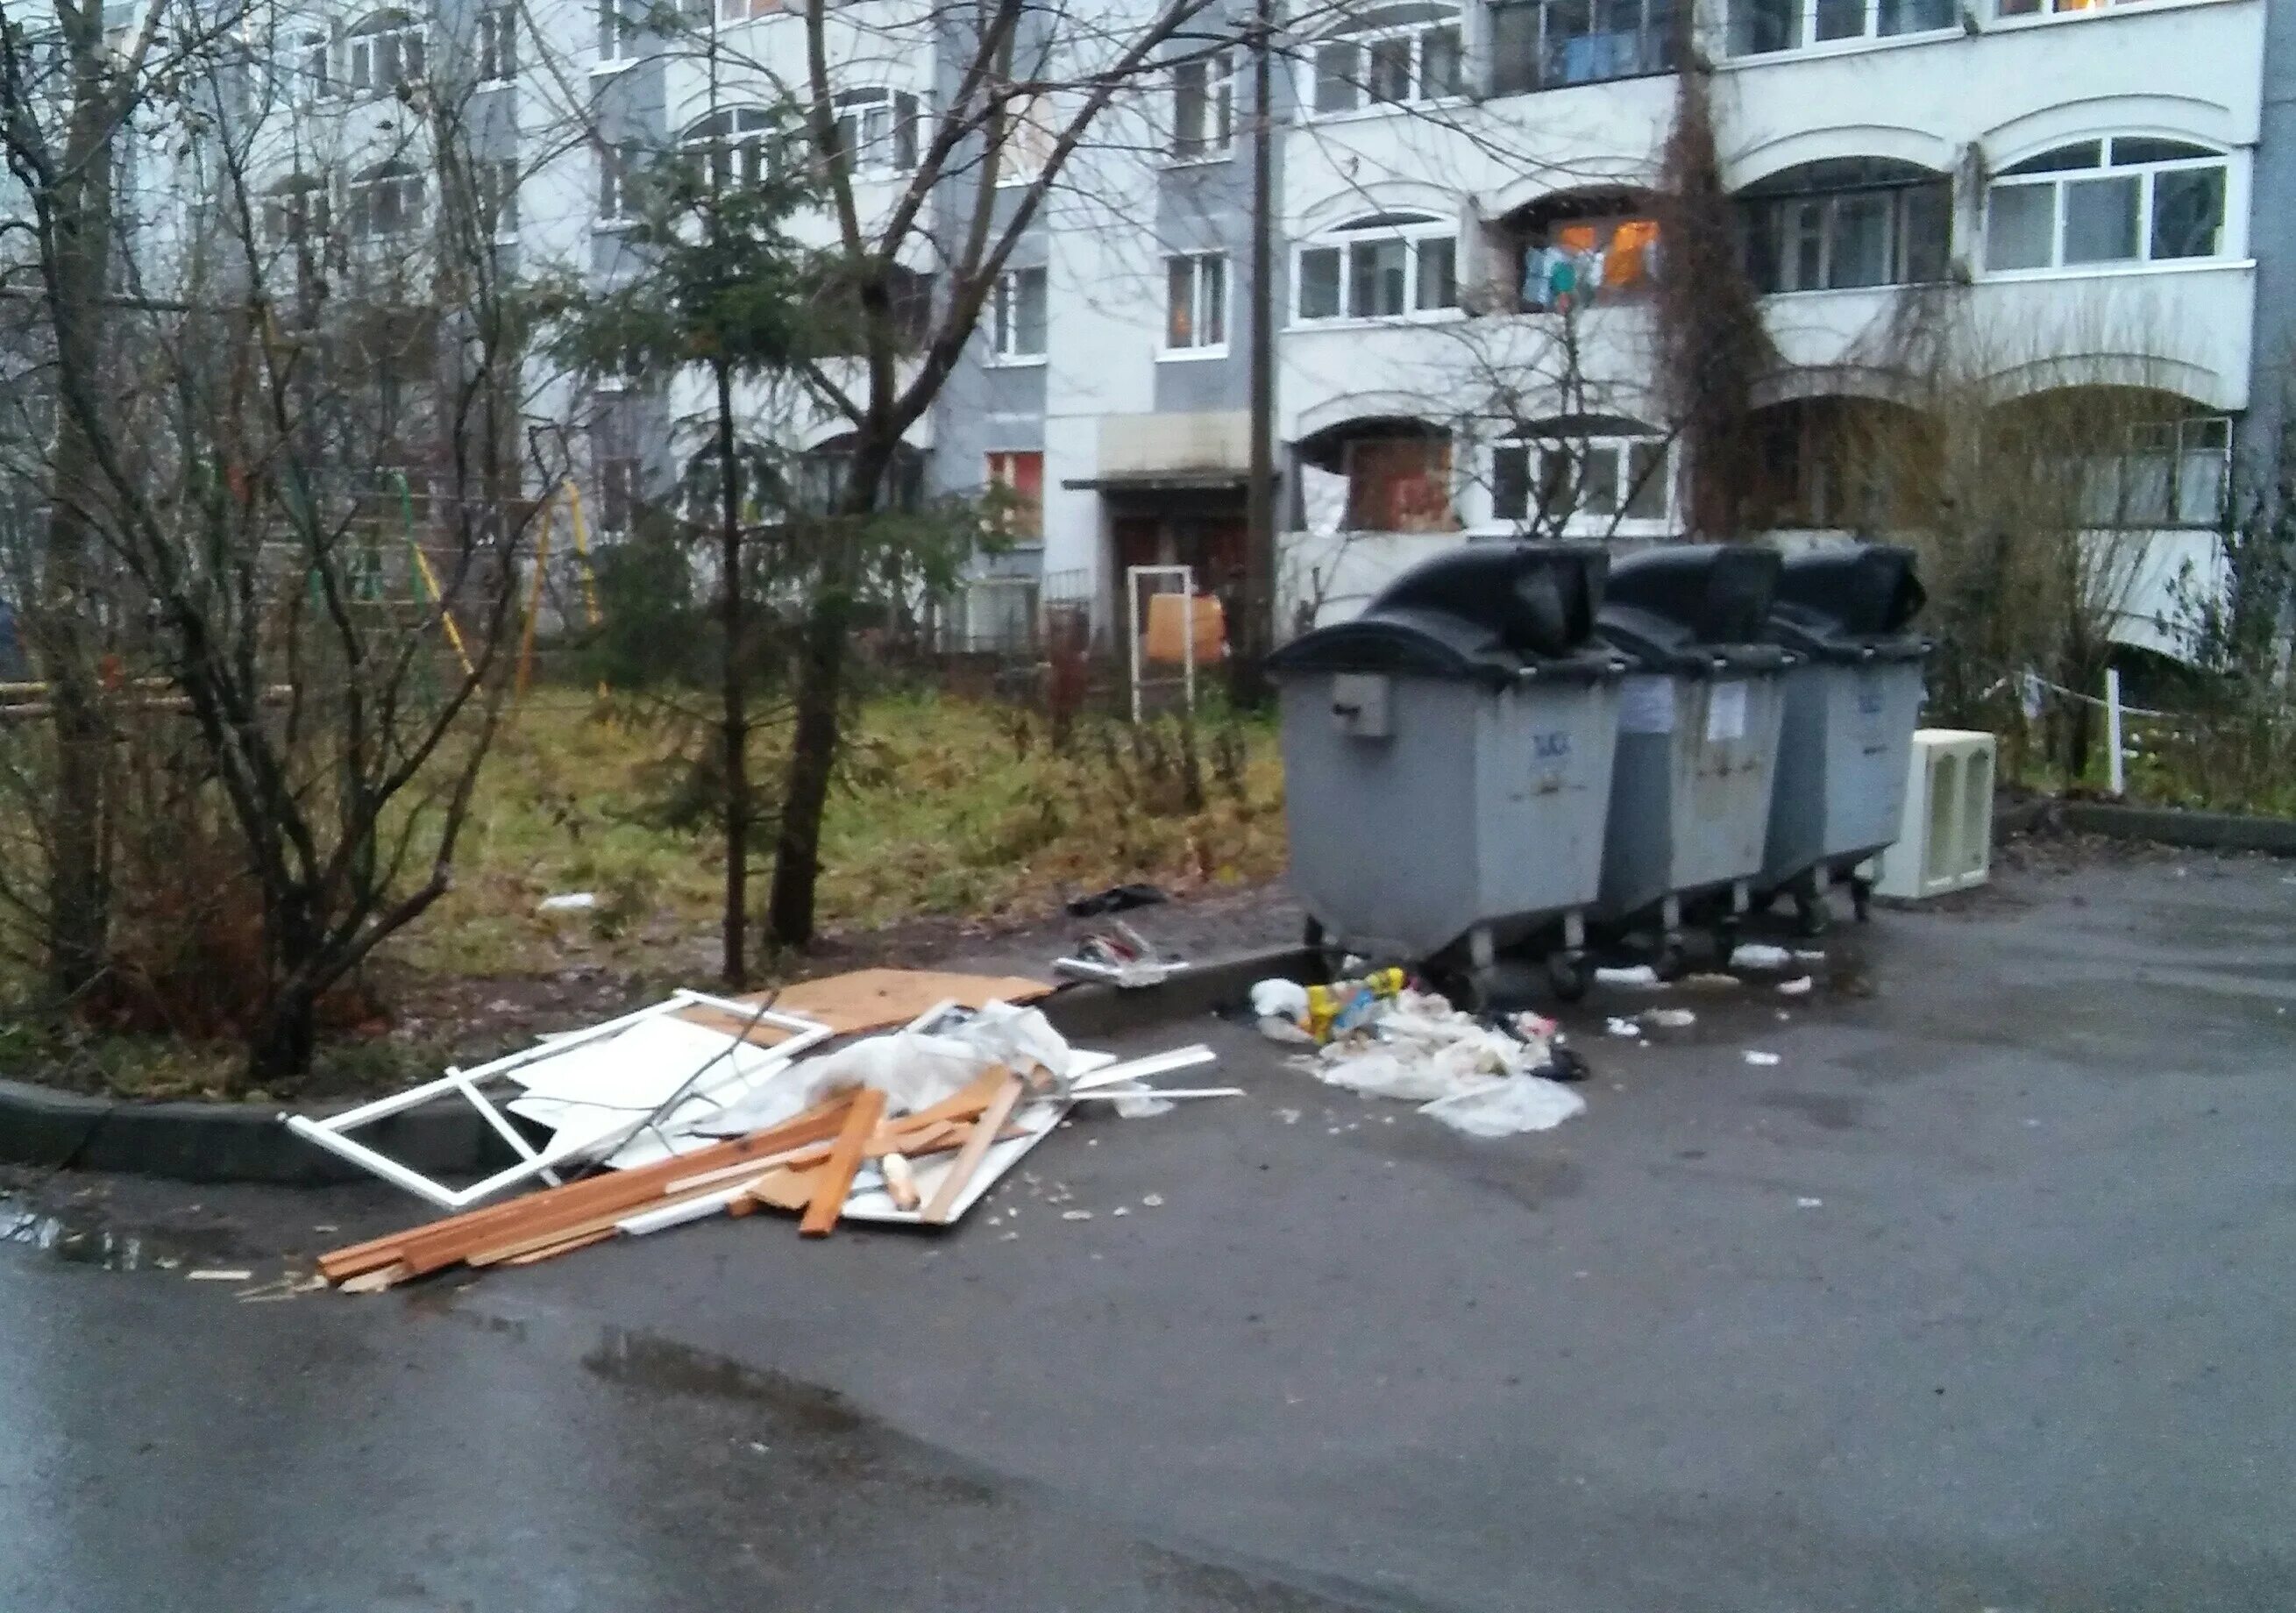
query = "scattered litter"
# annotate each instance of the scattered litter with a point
(1712, 982)
(1668, 1018)
(1526, 1103)
(1800, 987)
(216, 1273)
(1122, 1094)
(1626, 1028)
(326, 1227)
(1120, 956)
(1809, 1204)
(1813, 955)
(1075, 1215)
(1119, 1210)
(1288, 1011)
(1116, 898)
(1753, 1057)
(572, 901)
(1151, 1201)
(284, 1288)
(1469, 1073)
(1640, 977)
(1760, 956)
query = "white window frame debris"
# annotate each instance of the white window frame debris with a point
(332, 1133)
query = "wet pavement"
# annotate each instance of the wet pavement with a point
(1976, 1299)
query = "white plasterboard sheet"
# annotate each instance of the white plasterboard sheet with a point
(874, 1203)
(638, 1068)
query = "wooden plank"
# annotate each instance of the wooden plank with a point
(375, 1281)
(837, 1174)
(514, 1242)
(535, 1256)
(902, 1136)
(787, 1189)
(968, 1158)
(439, 1243)
(869, 999)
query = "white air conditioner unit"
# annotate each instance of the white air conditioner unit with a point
(1945, 832)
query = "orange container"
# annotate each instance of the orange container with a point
(1168, 627)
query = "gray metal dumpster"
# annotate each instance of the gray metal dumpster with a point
(1698, 732)
(1448, 763)
(1850, 708)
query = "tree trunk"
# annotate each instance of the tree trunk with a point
(81, 201)
(819, 703)
(813, 756)
(735, 722)
(280, 1045)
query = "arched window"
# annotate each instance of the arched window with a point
(2130, 199)
(386, 200)
(1590, 472)
(385, 53)
(1397, 471)
(1845, 222)
(1394, 56)
(1387, 266)
(295, 211)
(738, 145)
(877, 129)
(1565, 253)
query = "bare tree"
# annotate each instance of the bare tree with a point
(291, 419)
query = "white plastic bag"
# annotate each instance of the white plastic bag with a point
(1504, 1108)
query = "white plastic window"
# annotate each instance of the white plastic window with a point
(383, 54)
(1401, 66)
(877, 130)
(1017, 322)
(1195, 303)
(2131, 199)
(1204, 107)
(1389, 267)
(1761, 27)
(736, 146)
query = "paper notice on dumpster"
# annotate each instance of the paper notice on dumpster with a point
(1646, 706)
(1725, 713)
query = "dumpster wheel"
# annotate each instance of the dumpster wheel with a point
(1813, 914)
(1569, 972)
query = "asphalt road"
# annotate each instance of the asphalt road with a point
(1977, 1298)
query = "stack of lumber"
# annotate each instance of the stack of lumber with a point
(806, 1165)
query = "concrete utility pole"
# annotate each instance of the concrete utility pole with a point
(1255, 634)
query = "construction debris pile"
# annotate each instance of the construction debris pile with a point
(700, 1105)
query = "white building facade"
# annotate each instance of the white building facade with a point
(1471, 250)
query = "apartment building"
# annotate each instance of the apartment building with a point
(1470, 253)
(1943, 204)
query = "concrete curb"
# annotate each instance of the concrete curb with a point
(1084, 1012)
(2174, 826)
(190, 1142)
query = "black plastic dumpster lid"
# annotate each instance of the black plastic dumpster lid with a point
(1540, 599)
(1694, 608)
(1853, 603)
(1494, 611)
(1400, 640)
